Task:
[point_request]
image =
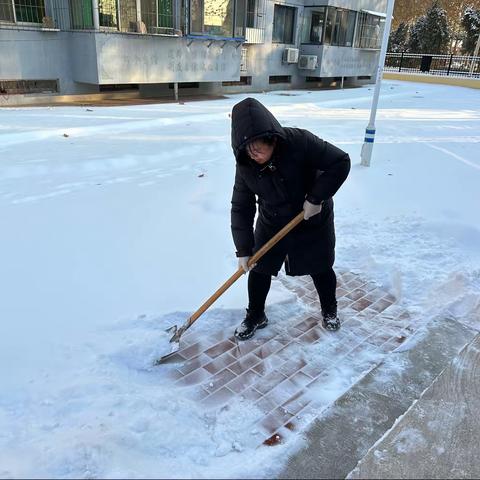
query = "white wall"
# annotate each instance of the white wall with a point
(126, 58)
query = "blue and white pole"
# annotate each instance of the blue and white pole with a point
(367, 146)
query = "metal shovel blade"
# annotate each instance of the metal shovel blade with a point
(174, 346)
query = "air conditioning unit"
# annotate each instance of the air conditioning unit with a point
(308, 62)
(290, 55)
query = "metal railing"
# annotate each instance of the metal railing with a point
(255, 21)
(157, 16)
(441, 65)
(22, 11)
(160, 17)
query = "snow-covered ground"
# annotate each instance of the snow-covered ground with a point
(115, 224)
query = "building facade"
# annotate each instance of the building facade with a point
(205, 46)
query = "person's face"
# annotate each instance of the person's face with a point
(260, 151)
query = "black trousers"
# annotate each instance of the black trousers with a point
(325, 284)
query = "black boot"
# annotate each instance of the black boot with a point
(253, 320)
(330, 319)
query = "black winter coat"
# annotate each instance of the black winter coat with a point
(302, 166)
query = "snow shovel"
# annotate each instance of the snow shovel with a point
(178, 332)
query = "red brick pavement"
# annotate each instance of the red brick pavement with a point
(272, 373)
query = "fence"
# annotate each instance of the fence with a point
(442, 65)
(157, 16)
(162, 17)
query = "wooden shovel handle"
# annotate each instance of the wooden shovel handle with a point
(254, 259)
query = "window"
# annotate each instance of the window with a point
(329, 23)
(283, 24)
(196, 12)
(369, 31)
(350, 29)
(336, 27)
(316, 29)
(157, 15)
(185, 85)
(313, 25)
(216, 17)
(128, 15)
(6, 11)
(118, 87)
(251, 13)
(107, 13)
(183, 15)
(340, 27)
(81, 12)
(243, 81)
(29, 11)
(241, 12)
(279, 79)
(15, 87)
(165, 13)
(344, 27)
(255, 15)
(120, 15)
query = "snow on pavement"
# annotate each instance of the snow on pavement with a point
(120, 228)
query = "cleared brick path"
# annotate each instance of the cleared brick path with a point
(276, 375)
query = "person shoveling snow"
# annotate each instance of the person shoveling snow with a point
(287, 169)
(294, 174)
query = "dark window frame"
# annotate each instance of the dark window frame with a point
(330, 16)
(366, 23)
(159, 16)
(321, 16)
(235, 23)
(29, 13)
(340, 27)
(274, 79)
(23, 87)
(307, 28)
(251, 13)
(282, 32)
(244, 80)
(171, 85)
(108, 18)
(81, 14)
(7, 12)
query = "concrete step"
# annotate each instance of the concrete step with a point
(439, 436)
(343, 435)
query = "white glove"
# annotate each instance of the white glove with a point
(243, 263)
(310, 209)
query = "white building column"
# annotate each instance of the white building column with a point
(96, 18)
(139, 14)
